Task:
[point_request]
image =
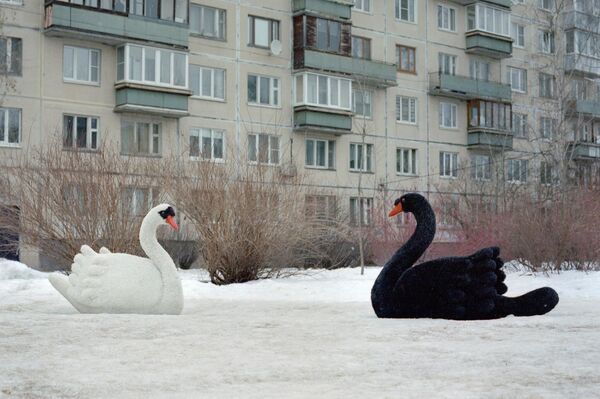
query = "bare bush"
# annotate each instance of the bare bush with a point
(68, 198)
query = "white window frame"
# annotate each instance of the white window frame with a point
(270, 149)
(403, 102)
(220, 16)
(485, 18)
(410, 156)
(152, 151)
(273, 30)
(546, 5)
(522, 79)
(444, 108)
(5, 124)
(448, 165)
(90, 131)
(447, 64)
(477, 67)
(198, 132)
(201, 70)
(89, 80)
(365, 162)
(512, 170)
(446, 18)
(547, 175)
(547, 42)
(519, 119)
(159, 52)
(362, 6)
(547, 127)
(482, 170)
(329, 157)
(304, 91)
(367, 96)
(274, 90)
(517, 33)
(364, 207)
(547, 85)
(411, 10)
(7, 67)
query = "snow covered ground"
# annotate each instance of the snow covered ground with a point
(305, 336)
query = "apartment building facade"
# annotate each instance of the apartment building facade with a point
(401, 94)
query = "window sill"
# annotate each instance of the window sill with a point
(264, 106)
(319, 168)
(9, 145)
(449, 177)
(214, 39)
(273, 165)
(367, 118)
(200, 159)
(141, 155)
(407, 22)
(406, 123)
(406, 174)
(364, 172)
(85, 150)
(81, 82)
(447, 30)
(454, 129)
(518, 91)
(212, 99)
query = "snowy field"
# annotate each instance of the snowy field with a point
(311, 336)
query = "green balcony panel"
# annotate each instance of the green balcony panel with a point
(501, 3)
(580, 64)
(64, 20)
(308, 119)
(586, 151)
(587, 107)
(376, 73)
(339, 9)
(480, 138)
(153, 102)
(489, 45)
(467, 89)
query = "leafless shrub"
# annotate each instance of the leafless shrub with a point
(68, 198)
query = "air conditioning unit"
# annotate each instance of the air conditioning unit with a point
(288, 169)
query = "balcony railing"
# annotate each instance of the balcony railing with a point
(466, 88)
(585, 150)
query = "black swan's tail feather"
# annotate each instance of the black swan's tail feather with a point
(533, 303)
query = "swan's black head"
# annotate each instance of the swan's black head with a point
(408, 203)
(168, 215)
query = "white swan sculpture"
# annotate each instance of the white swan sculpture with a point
(106, 282)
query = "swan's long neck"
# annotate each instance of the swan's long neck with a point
(153, 249)
(382, 295)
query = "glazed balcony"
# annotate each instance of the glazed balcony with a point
(585, 151)
(589, 108)
(312, 119)
(339, 8)
(580, 64)
(65, 19)
(582, 21)
(501, 3)
(481, 138)
(465, 88)
(143, 99)
(368, 72)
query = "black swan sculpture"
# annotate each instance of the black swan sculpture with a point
(459, 288)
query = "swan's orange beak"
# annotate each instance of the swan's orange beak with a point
(172, 222)
(397, 209)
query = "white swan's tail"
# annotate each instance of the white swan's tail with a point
(62, 285)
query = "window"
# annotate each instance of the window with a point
(11, 56)
(516, 170)
(361, 48)
(140, 138)
(447, 64)
(547, 174)
(10, 126)
(323, 91)
(517, 33)
(547, 5)
(489, 115)
(81, 65)
(579, 89)
(362, 103)
(321, 207)
(12, 2)
(361, 211)
(406, 58)
(489, 19)
(519, 124)
(446, 18)
(361, 157)
(406, 109)
(137, 200)
(479, 70)
(207, 21)
(207, 82)
(262, 31)
(328, 35)
(171, 10)
(481, 167)
(517, 78)
(149, 65)
(206, 144)
(320, 153)
(406, 161)
(448, 115)
(406, 10)
(547, 127)
(583, 42)
(263, 148)
(546, 84)
(362, 5)
(263, 90)
(546, 42)
(449, 164)
(80, 132)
